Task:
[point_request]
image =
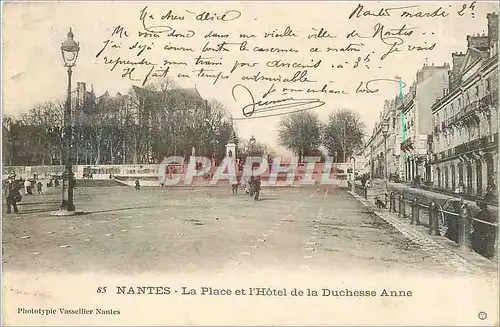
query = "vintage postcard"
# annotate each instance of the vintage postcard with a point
(250, 163)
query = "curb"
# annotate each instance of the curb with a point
(468, 262)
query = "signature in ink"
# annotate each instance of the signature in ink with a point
(254, 109)
(366, 87)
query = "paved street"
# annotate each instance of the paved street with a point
(182, 229)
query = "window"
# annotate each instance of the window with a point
(477, 90)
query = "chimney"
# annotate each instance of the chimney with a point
(478, 42)
(457, 60)
(492, 27)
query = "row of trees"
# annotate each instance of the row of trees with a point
(159, 120)
(304, 134)
(142, 126)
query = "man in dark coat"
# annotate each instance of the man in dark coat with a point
(256, 188)
(452, 231)
(250, 185)
(490, 190)
(484, 235)
(12, 195)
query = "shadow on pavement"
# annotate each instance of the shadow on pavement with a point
(33, 203)
(114, 210)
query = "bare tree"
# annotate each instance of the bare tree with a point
(343, 133)
(300, 132)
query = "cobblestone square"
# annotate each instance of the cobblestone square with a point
(187, 229)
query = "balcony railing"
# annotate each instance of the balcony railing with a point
(470, 107)
(473, 145)
(477, 144)
(406, 144)
(437, 129)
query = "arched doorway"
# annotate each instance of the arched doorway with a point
(461, 173)
(446, 178)
(479, 177)
(469, 178)
(453, 181)
(490, 169)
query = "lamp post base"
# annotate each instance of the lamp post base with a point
(65, 212)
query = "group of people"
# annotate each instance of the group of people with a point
(15, 187)
(483, 234)
(30, 185)
(489, 194)
(252, 187)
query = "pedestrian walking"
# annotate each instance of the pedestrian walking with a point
(461, 187)
(452, 231)
(484, 235)
(137, 185)
(256, 188)
(250, 185)
(39, 186)
(490, 190)
(12, 195)
(27, 187)
(234, 186)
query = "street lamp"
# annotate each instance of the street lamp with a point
(353, 173)
(69, 50)
(353, 167)
(252, 144)
(372, 165)
(385, 131)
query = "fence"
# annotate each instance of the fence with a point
(462, 227)
(468, 232)
(358, 189)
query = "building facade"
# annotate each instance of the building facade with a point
(415, 118)
(383, 149)
(409, 118)
(464, 150)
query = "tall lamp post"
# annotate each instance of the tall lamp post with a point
(252, 145)
(385, 131)
(353, 173)
(69, 49)
(353, 167)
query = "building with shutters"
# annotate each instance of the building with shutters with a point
(464, 147)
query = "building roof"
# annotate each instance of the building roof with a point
(183, 92)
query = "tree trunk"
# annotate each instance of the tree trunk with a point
(135, 150)
(98, 156)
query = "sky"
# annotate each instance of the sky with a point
(33, 70)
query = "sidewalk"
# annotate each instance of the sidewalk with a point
(378, 188)
(438, 246)
(440, 196)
